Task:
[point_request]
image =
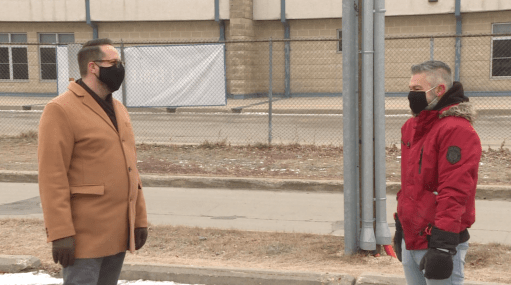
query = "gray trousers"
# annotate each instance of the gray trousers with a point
(94, 271)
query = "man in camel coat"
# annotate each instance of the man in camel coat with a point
(91, 194)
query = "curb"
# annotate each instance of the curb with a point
(387, 279)
(188, 274)
(484, 192)
(225, 276)
(18, 263)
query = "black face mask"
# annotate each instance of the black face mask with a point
(418, 101)
(112, 76)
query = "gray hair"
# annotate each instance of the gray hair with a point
(437, 72)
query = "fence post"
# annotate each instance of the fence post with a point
(287, 51)
(270, 96)
(457, 57)
(124, 81)
(432, 48)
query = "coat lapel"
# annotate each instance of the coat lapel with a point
(119, 115)
(91, 103)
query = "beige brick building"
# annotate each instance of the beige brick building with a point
(28, 66)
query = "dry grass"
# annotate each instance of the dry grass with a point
(30, 136)
(259, 160)
(245, 249)
(283, 161)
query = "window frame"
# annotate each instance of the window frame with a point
(493, 39)
(50, 45)
(9, 45)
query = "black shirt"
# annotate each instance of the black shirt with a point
(107, 104)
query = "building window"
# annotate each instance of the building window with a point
(13, 58)
(48, 54)
(501, 51)
(339, 43)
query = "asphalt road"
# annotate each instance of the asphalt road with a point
(252, 127)
(256, 210)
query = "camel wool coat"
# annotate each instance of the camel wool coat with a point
(88, 179)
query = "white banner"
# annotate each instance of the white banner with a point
(62, 69)
(166, 76)
(175, 76)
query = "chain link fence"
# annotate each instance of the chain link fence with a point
(260, 91)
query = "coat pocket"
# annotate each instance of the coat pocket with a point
(88, 189)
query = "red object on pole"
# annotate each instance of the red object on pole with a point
(389, 250)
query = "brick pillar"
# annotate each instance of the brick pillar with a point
(241, 56)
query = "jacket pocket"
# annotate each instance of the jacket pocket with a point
(88, 189)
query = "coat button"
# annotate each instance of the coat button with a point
(129, 169)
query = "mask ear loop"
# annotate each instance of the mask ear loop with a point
(434, 102)
(99, 67)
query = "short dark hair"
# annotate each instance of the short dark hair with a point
(91, 51)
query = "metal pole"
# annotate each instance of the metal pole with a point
(383, 236)
(222, 39)
(350, 157)
(287, 51)
(270, 96)
(367, 238)
(124, 82)
(432, 49)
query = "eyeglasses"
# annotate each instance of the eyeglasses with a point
(115, 62)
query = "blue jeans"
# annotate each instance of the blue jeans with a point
(94, 271)
(412, 259)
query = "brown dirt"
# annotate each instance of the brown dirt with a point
(292, 161)
(245, 249)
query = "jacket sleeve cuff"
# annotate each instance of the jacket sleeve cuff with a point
(59, 234)
(443, 239)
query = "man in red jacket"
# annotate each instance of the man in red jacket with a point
(440, 153)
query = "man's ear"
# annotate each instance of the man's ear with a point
(91, 67)
(441, 89)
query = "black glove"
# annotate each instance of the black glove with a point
(438, 259)
(63, 251)
(398, 238)
(140, 237)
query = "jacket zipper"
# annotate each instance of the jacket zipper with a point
(420, 160)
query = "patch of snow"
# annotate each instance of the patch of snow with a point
(40, 278)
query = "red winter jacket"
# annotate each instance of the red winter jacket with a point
(440, 155)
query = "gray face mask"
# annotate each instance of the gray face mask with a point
(112, 76)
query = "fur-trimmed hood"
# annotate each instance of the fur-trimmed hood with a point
(463, 110)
